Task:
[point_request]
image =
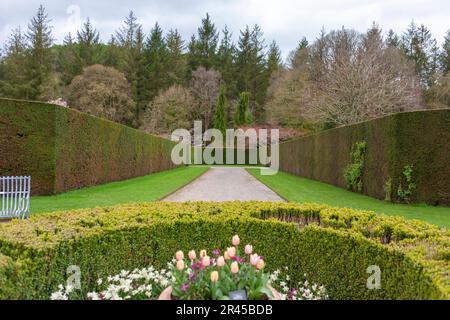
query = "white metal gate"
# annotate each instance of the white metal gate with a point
(15, 197)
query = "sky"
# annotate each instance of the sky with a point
(285, 21)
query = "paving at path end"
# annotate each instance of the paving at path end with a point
(224, 184)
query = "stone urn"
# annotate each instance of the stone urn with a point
(167, 294)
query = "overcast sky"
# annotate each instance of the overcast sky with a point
(285, 21)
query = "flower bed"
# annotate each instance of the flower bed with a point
(334, 247)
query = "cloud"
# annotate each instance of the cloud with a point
(285, 21)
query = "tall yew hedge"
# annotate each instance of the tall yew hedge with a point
(420, 139)
(63, 149)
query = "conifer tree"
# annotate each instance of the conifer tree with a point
(155, 55)
(220, 120)
(176, 62)
(203, 48)
(88, 44)
(39, 55)
(445, 54)
(14, 82)
(226, 62)
(242, 115)
(273, 58)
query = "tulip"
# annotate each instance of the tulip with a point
(248, 249)
(226, 256)
(234, 267)
(235, 241)
(180, 265)
(192, 255)
(220, 261)
(214, 276)
(231, 252)
(254, 258)
(202, 254)
(206, 261)
(260, 265)
(179, 255)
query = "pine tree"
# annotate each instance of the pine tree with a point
(302, 44)
(69, 59)
(88, 44)
(220, 120)
(155, 55)
(242, 115)
(445, 54)
(14, 82)
(176, 62)
(39, 58)
(392, 39)
(203, 48)
(226, 62)
(129, 39)
(251, 64)
(273, 58)
(420, 47)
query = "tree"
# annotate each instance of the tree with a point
(176, 61)
(393, 39)
(220, 115)
(250, 62)
(155, 55)
(420, 47)
(88, 44)
(39, 55)
(14, 82)
(103, 92)
(445, 54)
(170, 110)
(130, 41)
(202, 49)
(273, 59)
(438, 95)
(205, 86)
(242, 115)
(226, 62)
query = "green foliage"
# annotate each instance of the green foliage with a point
(242, 114)
(405, 194)
(332, 246)
(64, 149)
(354, 171)
(419, 137)
(220, 120)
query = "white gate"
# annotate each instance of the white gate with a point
(15, 197)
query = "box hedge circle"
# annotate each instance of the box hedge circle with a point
(334, 247)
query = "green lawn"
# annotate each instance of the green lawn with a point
(146, 188)
(298, 189)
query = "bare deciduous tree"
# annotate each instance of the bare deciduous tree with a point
(205, 87)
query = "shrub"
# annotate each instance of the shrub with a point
(405, 194)
(332, 246)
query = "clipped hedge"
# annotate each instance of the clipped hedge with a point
(332, 246)
(420, 139)
(63, 149)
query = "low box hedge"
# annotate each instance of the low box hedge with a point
(334, 247)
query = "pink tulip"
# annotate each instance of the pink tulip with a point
(234, 267)
(192, 255)
(179, 255)
(180, 265)
(231, 251)
(206, 261)
(248, 249)
(236, 240)
(260, 265)
(254, 258)
(220, 261)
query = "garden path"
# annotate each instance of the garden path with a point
(224, 184)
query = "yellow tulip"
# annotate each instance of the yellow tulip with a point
(214, 276)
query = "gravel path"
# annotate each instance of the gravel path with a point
(224, 184)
